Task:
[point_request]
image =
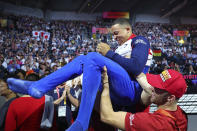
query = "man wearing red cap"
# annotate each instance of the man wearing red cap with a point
(164, 90)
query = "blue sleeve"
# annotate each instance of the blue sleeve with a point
(135, 64)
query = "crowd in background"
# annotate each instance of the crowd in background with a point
(68, 39)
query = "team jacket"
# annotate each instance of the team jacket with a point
(156, 121)
(134, 55)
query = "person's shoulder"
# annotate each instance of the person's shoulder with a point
(140, 40)
(26, 98)
(139, 36)
(180, 112)
(17, 100)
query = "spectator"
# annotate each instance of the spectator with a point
(62, 107)
(8, 96)
(23, 116)
(191, 70)
(5, 91)
(74, 95)
(20, 74)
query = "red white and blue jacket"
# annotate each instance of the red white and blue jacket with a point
(134, 55)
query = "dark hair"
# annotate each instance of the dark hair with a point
(32, 77)
(122, 21)
(20, 71)
(3, 73)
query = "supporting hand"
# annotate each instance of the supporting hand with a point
(105, 77)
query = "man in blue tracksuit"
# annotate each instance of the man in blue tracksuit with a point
(123, 65)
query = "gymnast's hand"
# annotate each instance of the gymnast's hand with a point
(103, 48)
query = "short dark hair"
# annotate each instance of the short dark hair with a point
(122, 21)
(20, 71)
(32, 77)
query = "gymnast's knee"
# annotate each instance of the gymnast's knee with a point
(93, 55)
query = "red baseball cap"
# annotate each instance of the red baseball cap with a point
(170, 81)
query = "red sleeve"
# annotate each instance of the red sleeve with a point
(10, 122)
(127, 122)
(144, 121)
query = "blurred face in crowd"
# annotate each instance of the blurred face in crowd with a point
(20, 76)
(54, 67)
(77, 81)
(121, 33)
(3, 88)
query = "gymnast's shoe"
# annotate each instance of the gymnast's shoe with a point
(18, 85)
(23, 87)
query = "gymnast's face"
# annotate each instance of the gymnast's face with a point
(121, 33)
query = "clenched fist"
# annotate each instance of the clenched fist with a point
(103, 48)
